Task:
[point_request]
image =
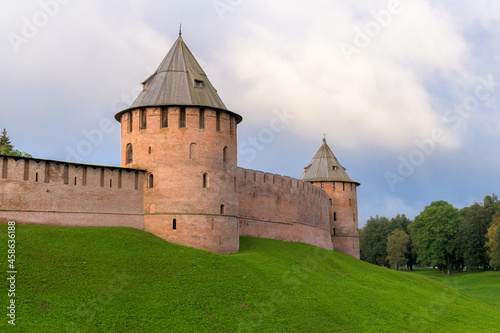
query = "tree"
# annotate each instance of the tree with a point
(492, 204)
(5, 144)
(433, 231)
(471, 236)
(493, 245)
(403, 223)
(373, 240)
(397, 248)
(7, 148)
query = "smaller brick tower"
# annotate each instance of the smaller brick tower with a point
(180, 131)
(326, 172)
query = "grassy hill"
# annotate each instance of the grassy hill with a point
(125, 280)
(484, 286)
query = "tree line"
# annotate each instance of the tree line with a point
(7, 148)
(441, 236)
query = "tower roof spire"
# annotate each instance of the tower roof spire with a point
(325, 167)
(179, 80)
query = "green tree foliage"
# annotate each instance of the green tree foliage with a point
(433, 231)
(492, 204)
(7, 148)
(403, 223)
(471, 237)
(373, 240)
(397, 248)
(493, 244)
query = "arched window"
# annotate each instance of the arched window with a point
(205, 180)
(150, 180)
(193, 153)
(221, 209)
(224, 154)
(129, 154)
(330, 201)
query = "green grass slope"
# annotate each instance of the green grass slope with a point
(484, 286)
(126, 280)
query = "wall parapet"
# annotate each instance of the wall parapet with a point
(31, 188)
(282, 207)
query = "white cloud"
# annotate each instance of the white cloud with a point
(380, 98)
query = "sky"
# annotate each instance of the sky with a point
(406, 92)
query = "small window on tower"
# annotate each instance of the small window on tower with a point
(143, 119)
(202, 118)
(198, 84)
(322, 185)
(150, 180)
(205, 180)
(217, 121)
(334, 168)
(128, 154)
(164, 117)
(182, 118)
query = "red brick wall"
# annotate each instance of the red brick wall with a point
(178, 171)
(64, 199)
(344, 210)
(278, 207)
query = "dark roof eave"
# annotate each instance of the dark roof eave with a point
(331, 180)
(239, 118)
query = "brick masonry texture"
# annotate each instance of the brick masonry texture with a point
(284, 208)
(65, 194)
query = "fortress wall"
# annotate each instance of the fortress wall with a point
(70, 194)
(284, 208)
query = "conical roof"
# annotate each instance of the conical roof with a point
(325, 167)
(178, 81)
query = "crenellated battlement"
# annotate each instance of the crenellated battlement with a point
(63, 193)
(281, 207)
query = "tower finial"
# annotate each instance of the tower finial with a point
(324, 138)
(180, 30)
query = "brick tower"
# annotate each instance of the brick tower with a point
(326, 172)
(180, 131)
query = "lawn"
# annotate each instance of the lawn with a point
(126, 280)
